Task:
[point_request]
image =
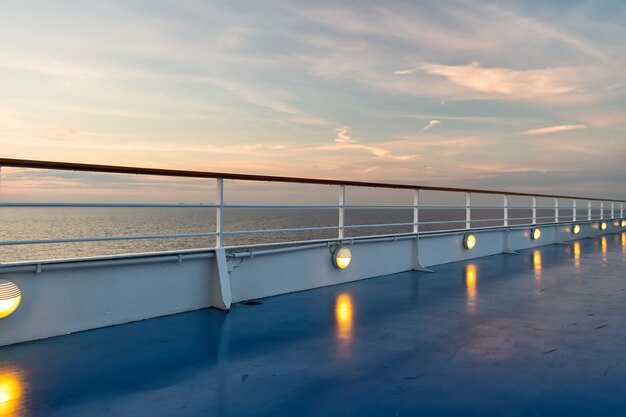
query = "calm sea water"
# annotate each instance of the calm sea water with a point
(53, 223)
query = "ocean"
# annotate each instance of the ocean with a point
(31, 223)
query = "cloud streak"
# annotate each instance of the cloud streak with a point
(406, 71)
(552, 129)
(431, 124)
(507, 81)
(343, 135)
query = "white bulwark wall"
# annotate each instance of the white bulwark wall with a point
(61, 297)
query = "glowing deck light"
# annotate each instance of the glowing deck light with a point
(342, 257)
(469, 241)
(535, 233)
(576, 229)
(603, 226)
(10, 298)
(623, 223)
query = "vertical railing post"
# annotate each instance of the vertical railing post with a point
(573, 210)
(589, 210)
(534, 216)
(556, 210)
(506, 210)
(612, 209)
(468, 210)
(219, 237)
(416, 200)
(601, 210)
(621, 214)
(342, 210)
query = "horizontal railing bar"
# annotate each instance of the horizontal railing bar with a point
(286, 206)
(498, 207)
(69, 166)
(111, 260)
(102, 239)
(297, 229)
(393, 207)
(359, 226)
(443, 222)
(530, 218)
(437, 206)
(179, 253)
(106, 205)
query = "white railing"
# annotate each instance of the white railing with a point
(595, 208)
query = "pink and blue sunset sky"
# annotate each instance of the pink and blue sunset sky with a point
(519, 95)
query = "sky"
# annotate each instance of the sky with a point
(512, 95)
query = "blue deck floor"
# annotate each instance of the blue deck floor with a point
(537, 334)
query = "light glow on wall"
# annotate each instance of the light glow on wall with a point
(576, 229)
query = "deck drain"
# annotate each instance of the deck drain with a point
(252, 303)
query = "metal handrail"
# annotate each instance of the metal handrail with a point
(114, 169)
(107, 205)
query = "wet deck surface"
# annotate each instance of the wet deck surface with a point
(537, 334)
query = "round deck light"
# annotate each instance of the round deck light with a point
(10, 298)
(623, 223)
(603, 226)
(535, 233)
(342, 257)
(469, 241)
(576, 229)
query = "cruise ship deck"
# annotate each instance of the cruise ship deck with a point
(541, 333)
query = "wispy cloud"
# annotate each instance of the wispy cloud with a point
(552, 129)
(507, 81)
(377, 151)
(343, 135)
(431, 124)
(406, 71)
